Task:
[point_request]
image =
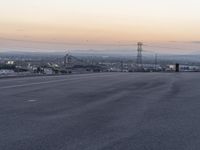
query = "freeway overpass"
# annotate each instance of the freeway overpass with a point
(105, 111)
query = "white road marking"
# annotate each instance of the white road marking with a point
(32, 100)
(54, 81)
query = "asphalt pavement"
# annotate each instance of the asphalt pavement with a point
(103, 111)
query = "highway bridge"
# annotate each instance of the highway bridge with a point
(104, 111)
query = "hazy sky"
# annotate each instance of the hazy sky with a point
(92, 24)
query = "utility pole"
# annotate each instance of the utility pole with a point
(156, 62)
(139, 56)
(122, 66)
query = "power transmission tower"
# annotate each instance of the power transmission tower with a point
(139, 56)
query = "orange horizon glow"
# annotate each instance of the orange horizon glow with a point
(100, 21)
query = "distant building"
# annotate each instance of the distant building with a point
(170, 68)
(187, 68)
(48, 71)
(6, 72)
(10, 62)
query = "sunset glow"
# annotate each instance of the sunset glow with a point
(99, 21)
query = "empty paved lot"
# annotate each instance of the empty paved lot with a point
(111, 111)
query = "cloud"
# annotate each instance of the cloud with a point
(185, 42)
(196, 42)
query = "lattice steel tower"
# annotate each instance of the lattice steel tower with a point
(139, 55)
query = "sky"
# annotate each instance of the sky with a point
(57, 25)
